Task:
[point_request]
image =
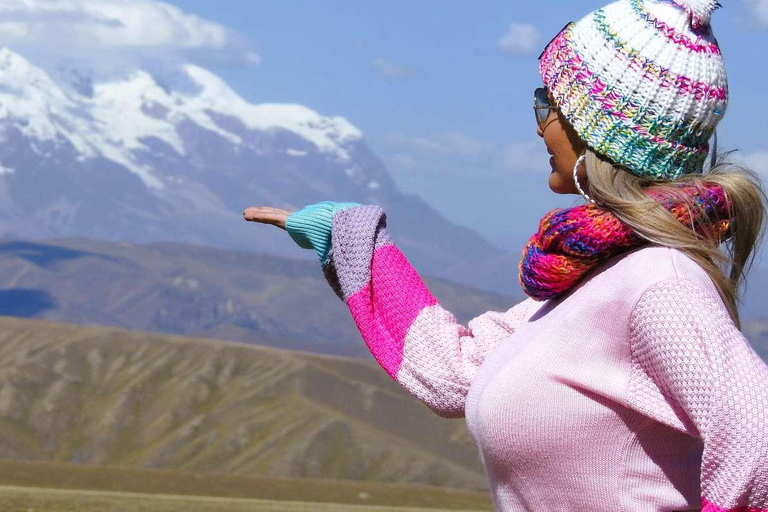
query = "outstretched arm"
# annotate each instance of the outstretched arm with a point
(417, 342)
(683, 340)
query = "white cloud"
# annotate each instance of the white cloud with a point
(404, 161)
(520, 39)
(447, 144)
(757, 161)
(526, 156)
(758, 11)
(458, 153)
(252, 58)
(88, 29)
(389, 70)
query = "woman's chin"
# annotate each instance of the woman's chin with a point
(558, 186)
(555, 183)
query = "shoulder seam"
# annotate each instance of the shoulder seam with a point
(674, 265)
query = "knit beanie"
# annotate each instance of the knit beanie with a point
(642, 82)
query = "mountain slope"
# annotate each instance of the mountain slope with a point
(206, 291)
(113, 397)
(177, 156)
(195, 290)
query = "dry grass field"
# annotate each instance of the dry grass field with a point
(13, 499)
(26, 486)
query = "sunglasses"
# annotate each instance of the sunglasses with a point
(541, 106)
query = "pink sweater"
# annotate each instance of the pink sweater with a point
(633, 392)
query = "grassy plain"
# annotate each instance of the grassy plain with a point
(21, 499)
(58, 487)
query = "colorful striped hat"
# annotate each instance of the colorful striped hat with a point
(642, 82)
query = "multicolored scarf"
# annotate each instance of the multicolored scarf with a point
(572, 241)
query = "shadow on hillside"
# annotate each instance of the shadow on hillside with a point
(25, 302)
(39, 254)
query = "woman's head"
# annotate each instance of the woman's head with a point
(639, 87)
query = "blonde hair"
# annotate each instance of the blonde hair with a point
(620, 191)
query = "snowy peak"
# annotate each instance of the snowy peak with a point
(16, 68)
(327, 133)
(117, 117)
(30, 96)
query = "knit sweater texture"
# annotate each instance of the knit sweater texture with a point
(633, 391)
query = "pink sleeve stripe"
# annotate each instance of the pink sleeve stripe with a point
(388, 304)
(711, 507)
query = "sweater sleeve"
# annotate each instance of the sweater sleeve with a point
(415, 340)
(684, 341)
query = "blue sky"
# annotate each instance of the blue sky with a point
(445, 108)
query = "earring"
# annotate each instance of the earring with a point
(576, 180)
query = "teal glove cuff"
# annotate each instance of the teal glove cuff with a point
(311, 226)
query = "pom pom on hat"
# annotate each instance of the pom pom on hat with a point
(699, 10)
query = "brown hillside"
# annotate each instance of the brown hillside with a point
(194, 290)
(109, 396)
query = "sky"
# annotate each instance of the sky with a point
(442, 91)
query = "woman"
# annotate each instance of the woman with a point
(623, 382)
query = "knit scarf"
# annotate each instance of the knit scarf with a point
(572, 241)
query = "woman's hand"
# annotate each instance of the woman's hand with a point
(267, 215)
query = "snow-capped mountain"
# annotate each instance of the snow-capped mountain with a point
(178, 155)
(118, 120)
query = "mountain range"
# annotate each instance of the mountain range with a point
(178, 288)
(177, 155)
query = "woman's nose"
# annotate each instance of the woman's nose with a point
(539, 131)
